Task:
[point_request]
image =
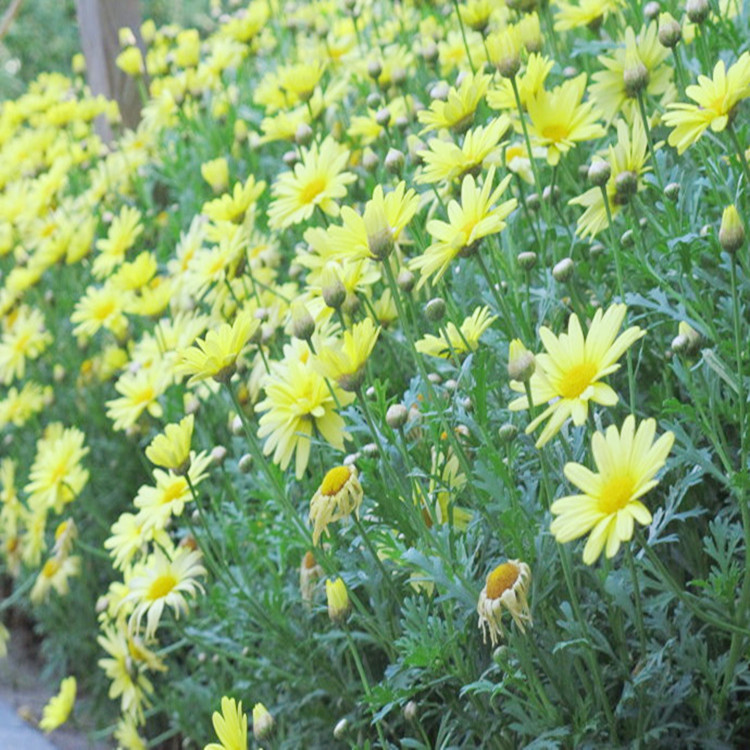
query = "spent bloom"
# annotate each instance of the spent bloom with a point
(627, 462)
(568, 375)
(339, 495)
(507, 587)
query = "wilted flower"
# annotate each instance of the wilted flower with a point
(507, 587)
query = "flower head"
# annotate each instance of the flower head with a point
(568, 375)
(627, 462)
(58, 709)
(230, 726)
(262, 722)
(507, 587)
(339, 495)
(456, 340)
(716, 99)
(171, 449)
(216, 355)
(344, 361)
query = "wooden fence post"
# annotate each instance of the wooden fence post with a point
(99, 22)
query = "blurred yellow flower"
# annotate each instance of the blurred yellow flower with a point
(58, 709)
(171, 449)
(230, 726)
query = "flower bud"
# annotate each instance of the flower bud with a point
(521, 362)
(303, 325)
(507, 433)
(290, 158)
(245, 464)
(651, 10)
(672, 191)
(374, 69)
(635, 77)
(731, 232)
(341, 728)
(394, 161)
(373, 100)
(218, 455)
(626, 185)
(435, 309)
(430, 52)
(370, 160)
(527, 260)
(440, 91)
(533, 201)
(405, 280)
(401, 123)
(599, 173)
(569, 71)
(333, 289)
(396, 416)
(303, 135)
(627, 239)
(596, 249)
(236, 427)
(697, 10)
(670, 32)
(551, 193)
(399, 76)
(338, 600)
(383, 117)
(410, 711)
(563, 270)
(689, 339)
(263, 722)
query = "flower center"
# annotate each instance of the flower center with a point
(161, 586)
(502, 578)
(103, 310)
(555, 132)
(577, 379)
(616, 493)
(335, 480)
(50, 568)
(312, 190)
(173, 491)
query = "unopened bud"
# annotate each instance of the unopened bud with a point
(672, 191)
(263, 722)
(396, 416)
(374, 69)
(635, 77)
(341, 728)
(236, 427)
(627, 238)
(218, 455)
(303, 324)
(651, 10)
(373, 100)
(383, 117)
(569, 71)
(303, 135)
(410, 711)
(599, 173)
(731, 232)
(440, 91)
(435, 309)
(290, 158)
(405, 280)
(351, 304)
(333, 289)
(394, 161)
(430, 52)
(507, 433)
(527, 260)
(521, 362)
(670, 32)
(370, 160)
(697, 10)
(688, 340)
(626, 185)
(563, 270)
(551, 193)
(338, 600)
(399, 76)
(533, 201)
(245, 464)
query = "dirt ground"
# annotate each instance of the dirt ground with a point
(23, 689)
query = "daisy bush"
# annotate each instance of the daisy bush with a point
(391, 378)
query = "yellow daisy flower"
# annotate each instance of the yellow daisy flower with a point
(58, 709)
(140, 391)
(344, 361)
(627, 462)
(568, 375)
(716, 99)
(171, 449)
(230, 726)
(559, 119)
(589, 13)
(215, 356)
(475, 217)
(298, 402)
(163, 581)
(26, 338)
(459, 341)
(456, 113)
(318, 179)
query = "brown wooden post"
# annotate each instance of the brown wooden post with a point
(99, 22)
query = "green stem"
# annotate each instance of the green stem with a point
(640, 625)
